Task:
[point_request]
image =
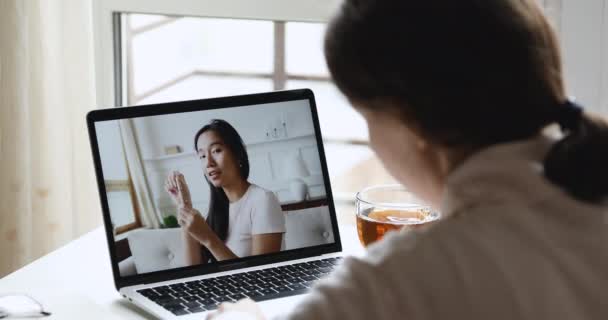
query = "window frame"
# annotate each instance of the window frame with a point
(125, 185)
(279, 75)
(582, 24)
(107, 21)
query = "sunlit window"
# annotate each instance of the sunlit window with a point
(179, 58)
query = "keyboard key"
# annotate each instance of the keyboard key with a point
(325, 269)
(219, 292)
(306, 265)
(223, 287)
(176, 303)
(164, 292)
(223, 299)
(334, 261)
(177, 287)
(312, 272)
(237, 290)
(253, 294)
(295, 280)
(297, 286)
(237, 296)
(267, 291)
(212, 307)
(147, 292)
(309, 278)
(282, 288)
(179, 312)
(278, 295)
(196, 310)
(220, 282)
(205, 296)
(207, 302)
(192, 304)
(265, 285)
(284, 276)
(253, 282)
(250, 288)
(181, 294)
(190, 298)
(163, 299)
(279, 283)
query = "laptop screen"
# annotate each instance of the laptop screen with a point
(206, 186)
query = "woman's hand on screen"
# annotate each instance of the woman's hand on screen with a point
(192, 221)
(176, 187)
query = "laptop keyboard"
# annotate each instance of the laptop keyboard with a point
(259, 285)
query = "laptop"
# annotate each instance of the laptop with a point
(279, 234)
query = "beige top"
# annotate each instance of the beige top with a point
(512, 246)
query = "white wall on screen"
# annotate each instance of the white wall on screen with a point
(114, 167)
(156, 132)
(110, 150)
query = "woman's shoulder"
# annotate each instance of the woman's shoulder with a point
(258, 193)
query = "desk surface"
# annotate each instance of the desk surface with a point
(77, 279)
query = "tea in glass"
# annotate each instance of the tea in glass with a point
(383, 209)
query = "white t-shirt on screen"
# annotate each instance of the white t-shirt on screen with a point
(257, 212)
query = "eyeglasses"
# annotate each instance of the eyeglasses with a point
(21, 306)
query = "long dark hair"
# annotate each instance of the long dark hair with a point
(467, 73)
(217, 218)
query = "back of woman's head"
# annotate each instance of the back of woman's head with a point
(468, 73)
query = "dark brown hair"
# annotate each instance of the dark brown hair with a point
(217, 217)
(467, 73)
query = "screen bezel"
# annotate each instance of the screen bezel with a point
(250, 100)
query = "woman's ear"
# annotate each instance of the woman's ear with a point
(421, 143)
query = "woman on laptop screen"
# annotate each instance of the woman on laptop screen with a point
(243, 219)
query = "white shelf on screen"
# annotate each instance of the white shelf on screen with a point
(250, 144)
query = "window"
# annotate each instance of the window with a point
(120, 195)
(177, 58)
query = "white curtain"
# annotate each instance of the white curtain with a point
(48, 194)
(147, 211)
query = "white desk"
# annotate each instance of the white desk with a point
(76, 281)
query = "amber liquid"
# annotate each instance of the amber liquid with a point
(377, 223)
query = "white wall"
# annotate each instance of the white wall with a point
(584, 39)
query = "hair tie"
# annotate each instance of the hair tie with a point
(569, 115)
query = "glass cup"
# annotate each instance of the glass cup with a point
(384, 208)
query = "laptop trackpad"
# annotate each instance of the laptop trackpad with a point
(282, 306)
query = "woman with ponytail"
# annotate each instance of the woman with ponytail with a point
(243, 219)
(466, 106)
